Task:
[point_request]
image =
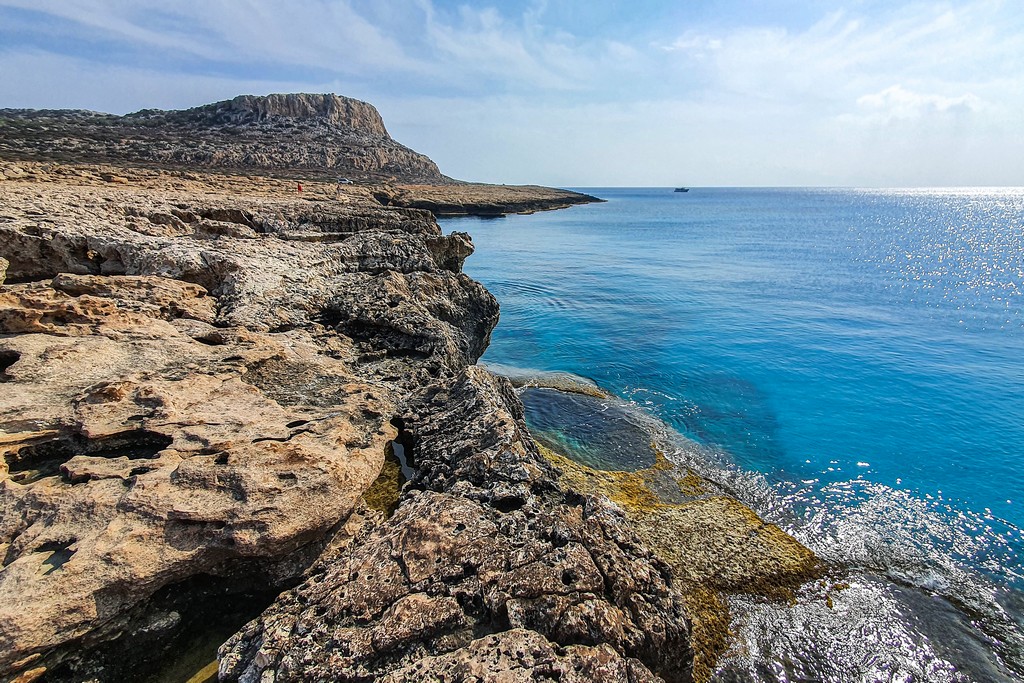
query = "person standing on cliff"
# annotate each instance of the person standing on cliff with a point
(300, 187)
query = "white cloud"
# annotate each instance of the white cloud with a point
(843, 56)
(28, 78)
(484, 44)
(321, 34)
(896, 102)
(694, 44)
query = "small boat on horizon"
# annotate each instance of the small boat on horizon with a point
(682, 189)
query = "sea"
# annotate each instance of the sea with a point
(849, 362)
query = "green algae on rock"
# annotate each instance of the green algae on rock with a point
(385, 491)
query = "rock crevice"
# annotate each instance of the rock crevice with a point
(483, 554)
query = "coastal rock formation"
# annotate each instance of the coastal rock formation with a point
(467, 199)
(295, 134)
(198, 388)
(485, 556)
(332, 110)
(236, 405)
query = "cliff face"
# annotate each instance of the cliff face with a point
(321, 135)
(331, 110)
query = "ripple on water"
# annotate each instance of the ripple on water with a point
(878, 333)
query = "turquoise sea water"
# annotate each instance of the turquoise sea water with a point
(855, 356)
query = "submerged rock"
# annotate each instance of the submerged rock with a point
(716, 545)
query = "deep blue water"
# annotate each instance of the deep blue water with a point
(863, 350)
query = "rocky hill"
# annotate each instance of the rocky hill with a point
(295, 134)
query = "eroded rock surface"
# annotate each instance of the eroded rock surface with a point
(201, 378)
(198, 388)
(485, 563)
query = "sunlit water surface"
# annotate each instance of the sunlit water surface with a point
(850, 362)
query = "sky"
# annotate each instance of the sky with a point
(577, 93)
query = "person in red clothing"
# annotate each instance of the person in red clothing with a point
(300, 187)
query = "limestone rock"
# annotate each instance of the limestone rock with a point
(275, 282)
(477, 199)
(192, 388)
(329, 108)
(522, 656)
(481, 542)
(135, 455)
(201, 378)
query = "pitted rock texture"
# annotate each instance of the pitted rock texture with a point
(199, 387)
(522, 656)
(485, 557)
(325, 134)
(271, 265)
(135, 456)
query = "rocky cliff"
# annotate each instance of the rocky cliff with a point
(295, 134)
(200, 386)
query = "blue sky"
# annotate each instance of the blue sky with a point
(573, 93)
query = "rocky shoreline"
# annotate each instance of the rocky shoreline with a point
(243, 421)
(199, 387)
(205, 388)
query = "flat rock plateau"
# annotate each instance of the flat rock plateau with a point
(244, 435)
